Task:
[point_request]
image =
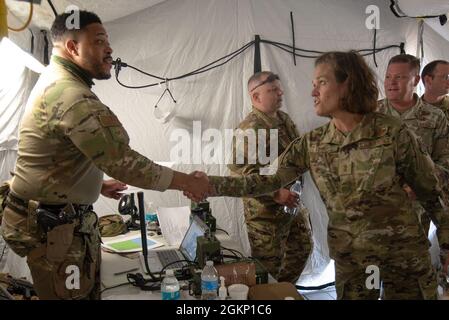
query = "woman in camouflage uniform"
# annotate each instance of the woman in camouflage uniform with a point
(359, 162)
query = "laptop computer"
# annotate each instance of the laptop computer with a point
(158, 259)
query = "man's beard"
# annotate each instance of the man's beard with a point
(102, 75)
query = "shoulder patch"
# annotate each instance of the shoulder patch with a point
(109, 120)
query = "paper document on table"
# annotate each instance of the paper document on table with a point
(174, 223)
(132, 243)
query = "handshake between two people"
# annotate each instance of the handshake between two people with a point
(199, 188)
(196, 187)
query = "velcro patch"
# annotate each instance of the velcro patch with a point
(109, 120)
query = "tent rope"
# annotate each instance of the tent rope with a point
(227, 58)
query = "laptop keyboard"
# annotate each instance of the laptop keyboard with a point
(168, 256)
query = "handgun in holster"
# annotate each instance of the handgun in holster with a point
(48, 219)
(16, 287)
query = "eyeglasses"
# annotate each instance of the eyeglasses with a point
(271, 78)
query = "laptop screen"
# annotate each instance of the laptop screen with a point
(188, 245)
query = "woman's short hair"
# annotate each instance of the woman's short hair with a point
(350, 67)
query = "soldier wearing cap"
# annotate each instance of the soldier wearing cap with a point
(67, 139)
(281, 242)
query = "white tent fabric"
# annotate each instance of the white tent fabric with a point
(16, 81)
(174, 37)
(19, 73)
(15, 88)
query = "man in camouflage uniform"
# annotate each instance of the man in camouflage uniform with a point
(67, 139)
(359, 161)
(435, 77)
(280, 241)
(426, 121)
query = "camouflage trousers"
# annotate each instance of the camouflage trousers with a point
(282, 243)
(444, 253)
(65, 262)
(407, 275)
(443, 256)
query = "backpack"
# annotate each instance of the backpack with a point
(112, 225)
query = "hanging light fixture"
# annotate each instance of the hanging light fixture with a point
(165, 116)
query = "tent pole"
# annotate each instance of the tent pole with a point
(257, 60)
(293, 36)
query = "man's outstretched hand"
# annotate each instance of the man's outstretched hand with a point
(111, 189)
(200, 188)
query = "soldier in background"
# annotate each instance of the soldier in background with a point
(435, 77)
(359, 161)
(428, 122)
(280, 241)
(67, 139)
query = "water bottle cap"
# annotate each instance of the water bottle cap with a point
(169, 272)
(209, 263)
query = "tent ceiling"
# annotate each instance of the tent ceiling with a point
(423, 8)
(108, 10)
(416, 8)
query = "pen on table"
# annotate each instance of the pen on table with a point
(123, 272)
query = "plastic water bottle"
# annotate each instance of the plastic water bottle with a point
(170, 286)
(222, 291)
(296, 188)
(151, 217)
(209, 282)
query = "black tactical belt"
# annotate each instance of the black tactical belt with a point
(50, 216)
(21, 206)
(79, 208)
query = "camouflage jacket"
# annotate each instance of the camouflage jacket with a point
(359, 178)
(432, 128)
(443, 105)
(68, 138)
(257, 120)
(429, 124)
